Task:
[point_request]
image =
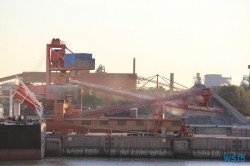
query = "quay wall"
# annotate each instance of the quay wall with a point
(147, 146)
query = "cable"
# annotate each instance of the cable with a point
(178, 89)
(175, 82)
(39, 62)
(42, 62)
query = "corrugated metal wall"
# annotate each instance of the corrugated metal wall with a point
(60, 91)
(205, 147)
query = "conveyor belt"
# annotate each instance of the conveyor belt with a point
(175, 97)
(110, 90)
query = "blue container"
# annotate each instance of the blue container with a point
(69, 58)
(83, 55)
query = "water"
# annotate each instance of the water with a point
(118, 161)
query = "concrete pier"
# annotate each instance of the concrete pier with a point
(148, 146)
(53, 147)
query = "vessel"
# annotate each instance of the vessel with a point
(22, 138)
(21, 141)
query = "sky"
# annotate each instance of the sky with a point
(165, 36)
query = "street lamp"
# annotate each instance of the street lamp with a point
(236, 133)
(236, 126)
(207, 128)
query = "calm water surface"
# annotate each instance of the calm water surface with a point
(112, 161)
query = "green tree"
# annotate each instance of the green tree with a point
(90, 100)
(144, 110)
(93, 100)
(151, 91)
(236, 97)
(116, 101)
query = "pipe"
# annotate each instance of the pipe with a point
(134, 66)
(171, 82)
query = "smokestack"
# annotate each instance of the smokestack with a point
(171, 82)
(198, 78)
(249, 78)
(134, 66)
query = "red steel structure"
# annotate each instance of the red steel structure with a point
(171, 101)
(55, 62)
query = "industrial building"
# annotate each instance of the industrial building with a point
(65, 73)
(216, 80)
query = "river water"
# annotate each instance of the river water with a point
(118, 161)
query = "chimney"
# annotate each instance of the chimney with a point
(171, 82)
(134, 66)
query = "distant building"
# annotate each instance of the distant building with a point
(245, 82)
(197, 79)
(216, 80)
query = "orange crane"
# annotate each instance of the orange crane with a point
(58, 61)
(179, 101)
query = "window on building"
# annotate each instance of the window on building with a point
(104, 122)
(157, 122)
(86, 122)
(121, 122)
(175, 123)
(139, 123)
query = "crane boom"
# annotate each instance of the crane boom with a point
(183, 95)
(119, 92)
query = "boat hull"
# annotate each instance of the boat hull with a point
(22, 142)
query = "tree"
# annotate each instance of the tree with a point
(151, 91)
(236, 97)
(116, 101)
(92, 101)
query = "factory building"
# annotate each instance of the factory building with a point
(216, 80)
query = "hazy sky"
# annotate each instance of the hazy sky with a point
(168, 36)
